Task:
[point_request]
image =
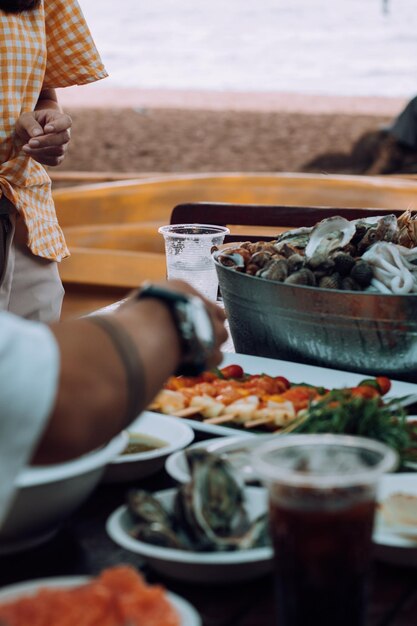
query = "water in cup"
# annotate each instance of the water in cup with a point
(188, 254)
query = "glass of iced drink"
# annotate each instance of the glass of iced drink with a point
(188, 254)
(322, 498)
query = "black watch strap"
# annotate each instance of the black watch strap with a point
(194, 352)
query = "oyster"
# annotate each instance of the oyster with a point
(209, 511)
(329, 235)
(210, 507)
(297, 238)
(373, 229)
(145, 508)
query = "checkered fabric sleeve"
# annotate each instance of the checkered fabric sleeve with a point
(50, 46)
(72, 58)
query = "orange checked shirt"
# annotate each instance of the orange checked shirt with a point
(48, 47)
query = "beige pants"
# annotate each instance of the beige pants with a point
(30, 286)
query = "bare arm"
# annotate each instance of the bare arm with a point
(91, 401)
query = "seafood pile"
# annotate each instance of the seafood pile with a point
(209, 512)
(370, 254)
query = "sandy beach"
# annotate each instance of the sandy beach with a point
(131, 130)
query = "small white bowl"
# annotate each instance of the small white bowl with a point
(172, 430)
(177, 467)
(196, 567)
(186, 612)
(47, 495)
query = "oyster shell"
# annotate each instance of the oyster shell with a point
(145, 508)
(373, 229)
(298, 238)
(329, 235)
(209, 511)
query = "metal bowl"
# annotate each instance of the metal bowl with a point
(353, 331)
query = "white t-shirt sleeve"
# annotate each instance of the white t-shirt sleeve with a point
(29, 370)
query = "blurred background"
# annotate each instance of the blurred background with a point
(242, 85)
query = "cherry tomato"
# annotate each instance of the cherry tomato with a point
(286, 383)
(384, 384)
(232, 371)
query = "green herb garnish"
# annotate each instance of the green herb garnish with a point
(340, 413)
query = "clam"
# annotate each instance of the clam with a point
(329, 235)
(343, 263)
(260, 259)
(295, 262)
(236, 258)
(362, 273)
(276, 270)
(330, 282)
(321, 262)
(302, 277)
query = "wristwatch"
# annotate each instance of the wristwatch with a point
(193, 324)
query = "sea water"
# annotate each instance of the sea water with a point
(344, 47)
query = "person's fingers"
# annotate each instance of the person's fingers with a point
(53, 139)
(61, 122)
(47, 151)
(27, 126)
(53, 161)
(220, 333)
(215, 359)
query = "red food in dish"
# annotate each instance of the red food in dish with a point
(119, 596)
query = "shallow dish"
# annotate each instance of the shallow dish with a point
(46, 496)
(174, 432)
(235, 449)
(187, 613)
(196, 567)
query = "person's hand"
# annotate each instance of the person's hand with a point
(45, 134)
(217, 315)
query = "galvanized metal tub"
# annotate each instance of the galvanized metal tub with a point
(353, 331)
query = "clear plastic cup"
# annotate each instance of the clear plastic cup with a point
(322, 500)
(188, 254)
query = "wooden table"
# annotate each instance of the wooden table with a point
(82, 547)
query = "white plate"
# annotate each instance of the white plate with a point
(187, 613)
(196, 567)
(296, 373)
(391, 546)
(230, 447)
(177, 467)
(173, 431)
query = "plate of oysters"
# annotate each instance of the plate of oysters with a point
(191, 533)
